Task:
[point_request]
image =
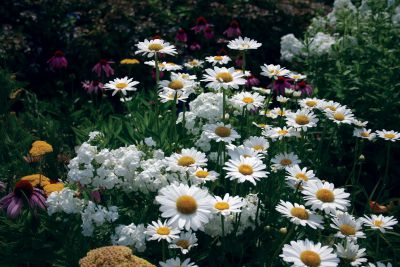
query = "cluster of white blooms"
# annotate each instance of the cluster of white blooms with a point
(291, 47)
(63, 201)
(97, 215)
(130, 235)
(396, 16)
(321, 43)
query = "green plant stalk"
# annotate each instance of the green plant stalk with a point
(223, 105)
(156, 98)
(385, 176)
(287, 237)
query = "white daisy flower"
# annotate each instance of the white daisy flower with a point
(288, 91)
(227, 205)
(177, 263)
(184, 242)
(194, 63)
(347, 225)
(261, 125)
(388, 135)
(297, 93)
(220, 132)
(297, 76)
(167, 95)
(299, 215)
(351, 252)
(324, 196)
(224, 78)
(161, 231)
(284, 160)
(379, 222)
(151, 47)
(183, 76)
(164, 66)
(245, 43)
(302, 119)
(340, 115)
(329, 105)
(245, 169)
(177, 84)
(247, 100)
(307, 254)
(282, 99)
(188, 158)
(295, 176)
(380, 264)
(218, 60)
(261, 90)
(273, 71)
(364, 133)
(202, 175)
(277, 112)
(236, 152)
(121, 85)
(309, 103)
(187, 207)
(278, 133)
(359, 123)
(259, 144)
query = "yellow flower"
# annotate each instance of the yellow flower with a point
(40, 148)
(112, 256)
(50, 188)
(37, 180)
(129, 61)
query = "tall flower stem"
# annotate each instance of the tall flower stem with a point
(173, 118)
(164, 249)
(157, 83)
(223, 105)
(244, 62)
(278, 249)
(385, 176)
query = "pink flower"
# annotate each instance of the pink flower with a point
(153, 74)
(201, 24)
(181, 36)
(195, 46)
(95, 196)
(92, 86)
(103, 65)
(252, 81)
(208, 32)
(233, 29)
(58, 61)
(239, 61)
(23, 191)
(280, 84)
(305, 88)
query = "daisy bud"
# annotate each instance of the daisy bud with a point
(283, 230)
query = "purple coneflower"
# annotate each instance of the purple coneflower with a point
(58, 61)
(92, 86)
(305, 88)
(280, 84)
(233, 29)
(181, 36)
(252, 81)
(23, 191)
(103, 65)
(208, 32)
(194, 46)
(201, 24)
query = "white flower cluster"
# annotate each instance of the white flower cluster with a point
(63, 201)
(321, 43)
(97, 215)
(130, 235)
(291, 47)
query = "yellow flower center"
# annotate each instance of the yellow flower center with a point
(248, 100)
(186, 161)
(347, 229)
(258, 147)
(163, 230)
(218, 58)
(222, 131)
(338, 116)
(155, 47)
(183, 243)
(245, 169)
(221, 205)
(176, 84)
(300, 213)
(186, 204)
(202, 174)
(365, 134)
(378, 223)
(283, 132)
(194, 63)
(311, 103)
(302, 119)
(121, 85)
(286, 162)
(389, 135)
(225, 77)
(261, 125)
(333, 108)
(302, 176)
(325, 195)
(310, 258)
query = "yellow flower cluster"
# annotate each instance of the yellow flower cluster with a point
(112, 256)
(129, 61)
(40, 148)
(41, 181)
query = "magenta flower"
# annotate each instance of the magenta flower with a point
(195, 46)
(208, 32)
(239, 61)
(92, 86)
(201, 24)
(233, 29)
(95, 196)
(181, 36)
(153, 74)
(103, 65)
(23, 191)
(58, 61)
(305, 88)
(280, 84)
(252, 81)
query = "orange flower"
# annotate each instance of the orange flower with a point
(40, 148)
